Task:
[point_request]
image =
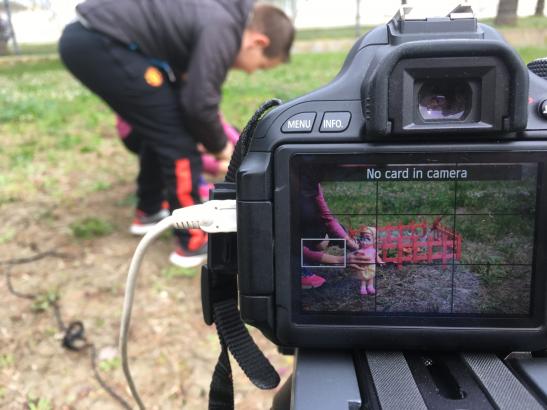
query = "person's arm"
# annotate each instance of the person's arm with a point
(210, 164)
(327, 259)
(313, 257)
(231, 132)
(214, 52)
(331, 223)
(320, 257)
(379, 259)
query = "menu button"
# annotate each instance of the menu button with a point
(302, 122)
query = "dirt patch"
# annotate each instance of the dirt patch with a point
(423, 289)
(172, 351)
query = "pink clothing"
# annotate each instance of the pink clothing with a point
(124, 129)
(370, 251)
(209, 163)
(334, 229)
(368, 271)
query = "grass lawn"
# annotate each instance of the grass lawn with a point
(53, 129)
(531, 22)
(65, 184)
(38, 49)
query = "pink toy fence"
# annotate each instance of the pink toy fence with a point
(417, 243)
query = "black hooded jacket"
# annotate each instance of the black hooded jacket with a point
(200, 38)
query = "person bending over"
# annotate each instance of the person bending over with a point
(160, 65)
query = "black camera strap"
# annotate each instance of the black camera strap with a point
(233, 336)
(232, 333)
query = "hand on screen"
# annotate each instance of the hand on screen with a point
(357, 258)
(352, 244)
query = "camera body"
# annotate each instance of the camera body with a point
(403, 205)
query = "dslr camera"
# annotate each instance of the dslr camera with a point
(403, 206)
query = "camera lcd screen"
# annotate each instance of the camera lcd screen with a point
(452, 236)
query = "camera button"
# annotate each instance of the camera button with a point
(335, 121)
(302, 122)
(543, 109)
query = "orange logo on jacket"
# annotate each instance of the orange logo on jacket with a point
(153, 77)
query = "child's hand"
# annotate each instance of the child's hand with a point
(352, 244)
(201, 148)
(226, 153)
(358, 258)
(223, 166)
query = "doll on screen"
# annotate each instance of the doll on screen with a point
(366, 237)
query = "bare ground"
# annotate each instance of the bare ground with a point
(172, 351)
(424, 289)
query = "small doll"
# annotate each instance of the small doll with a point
(366, 237)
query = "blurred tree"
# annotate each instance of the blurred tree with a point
(5, 35)
(358, 19)
(6, 27)
(294, 9)
(13, 6)
(507, 13)
(290, 6)
(540, 7)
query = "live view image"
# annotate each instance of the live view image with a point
(449, 239)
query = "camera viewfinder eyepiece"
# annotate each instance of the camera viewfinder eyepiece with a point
(441, 75)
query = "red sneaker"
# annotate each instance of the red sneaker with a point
(144, 222)
(183, 258)
(312, 281)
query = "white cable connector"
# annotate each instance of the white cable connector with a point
(213, 217)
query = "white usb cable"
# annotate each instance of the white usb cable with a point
(213, 217)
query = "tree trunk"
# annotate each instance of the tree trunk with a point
(507, 13)
(3, 47)
(294, 9)
(358, 19)
(7, 8)
(540, 6)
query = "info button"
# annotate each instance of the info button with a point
(335, 121)
(302, 122)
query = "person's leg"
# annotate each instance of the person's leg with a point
(121, 78)
(132, 142)
(370, 286)
(363, 290)
(181, 170)
(150, 186)
(150, 192)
